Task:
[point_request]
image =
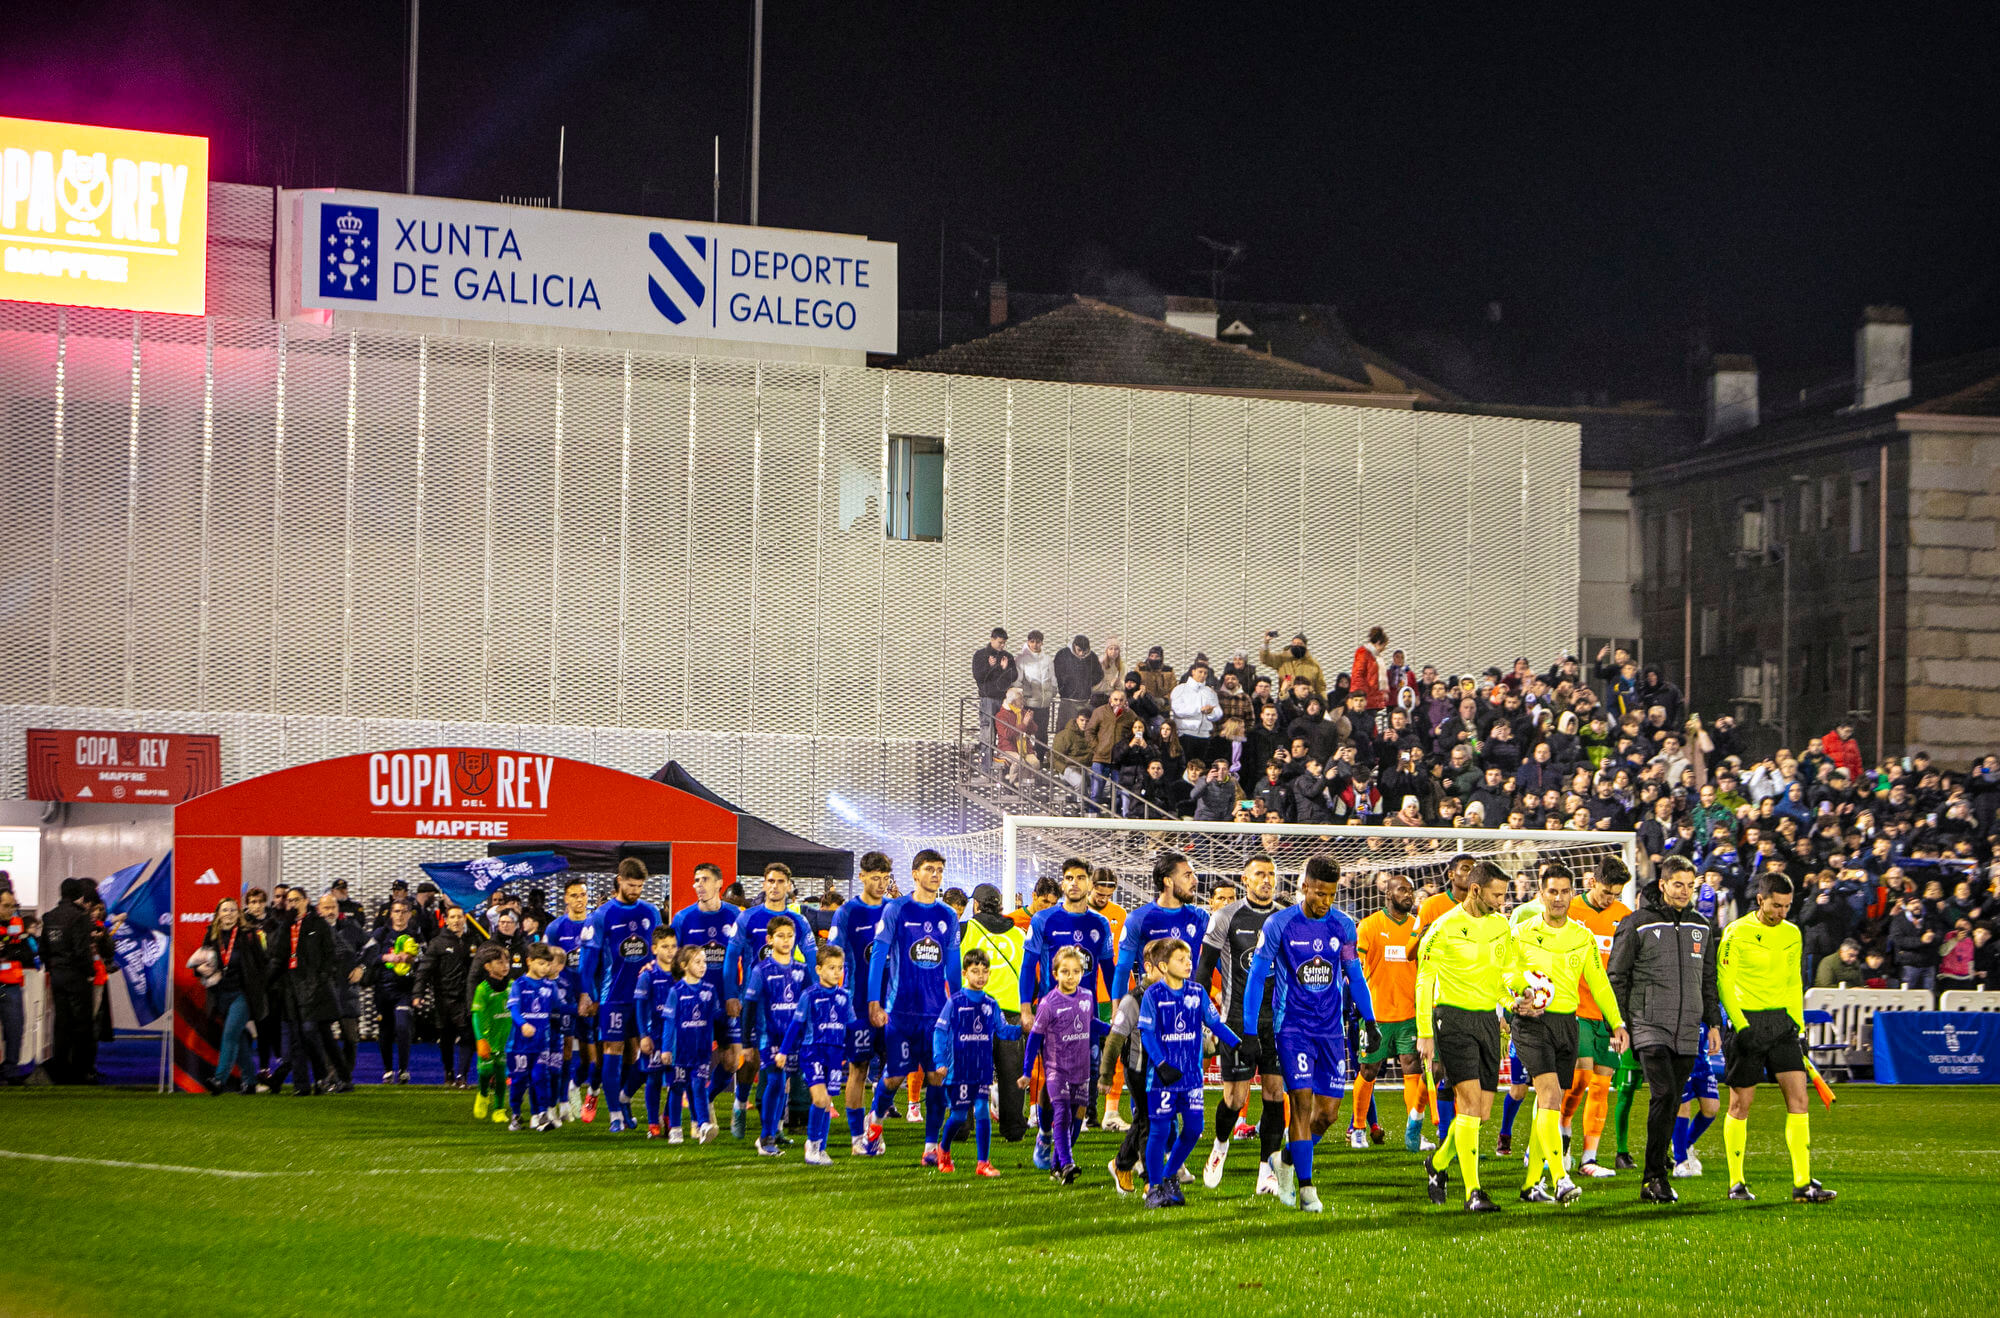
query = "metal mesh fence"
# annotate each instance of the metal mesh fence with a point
(240, 516)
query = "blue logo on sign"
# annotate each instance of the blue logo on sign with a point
(689, 292)
(347, 266)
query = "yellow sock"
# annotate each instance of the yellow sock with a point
(1548, 1128)
(1465, 1133)
(1447, 1148)
(1735, 1135)
(1537, 1152)
(1363, 1091)
(1798, 1138)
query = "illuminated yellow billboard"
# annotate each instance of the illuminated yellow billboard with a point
(103, 217)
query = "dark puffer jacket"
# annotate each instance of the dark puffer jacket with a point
(1663, 973)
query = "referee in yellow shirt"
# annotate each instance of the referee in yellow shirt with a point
(1467, 967)
(1758, 976)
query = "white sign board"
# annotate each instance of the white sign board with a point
(471, 260)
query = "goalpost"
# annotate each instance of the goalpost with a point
(1035, 846)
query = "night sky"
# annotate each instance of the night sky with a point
(1630, 190)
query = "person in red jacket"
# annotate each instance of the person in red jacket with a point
(1366, 677)
(1841, 747)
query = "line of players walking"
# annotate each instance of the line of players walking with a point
(724, 1000)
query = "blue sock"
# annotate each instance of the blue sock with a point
(653, 1098)
(854, 1126)
(1302, 1159)
(743, 1090)
(982, 1128)
(1699, 1124)
(1192, 1120)
(1372, 1122)
(517, 1089)
(1447, 1113)
(717, 1082)
(1680, 1139)
(674, 1092)
(771, 1103)
(1159, 1138)
(945, 1132)
(614, 1080)
(885, 1099)
(1508, 1107)
(698, 1101)
(934, 1112)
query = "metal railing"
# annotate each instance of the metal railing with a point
(1039, 787)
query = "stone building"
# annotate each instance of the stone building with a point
(1835, 556)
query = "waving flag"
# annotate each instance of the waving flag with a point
(468, 882)
(141, 941)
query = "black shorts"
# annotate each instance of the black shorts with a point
(1467, 1047)
(1248, 1061)
(1547, 1043)
(1766, 1047)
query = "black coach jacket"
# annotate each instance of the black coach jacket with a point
(1663, 973)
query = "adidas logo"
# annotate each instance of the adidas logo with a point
(208, 877)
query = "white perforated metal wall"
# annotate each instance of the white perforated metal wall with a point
(223, 516)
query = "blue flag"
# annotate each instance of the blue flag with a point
(146, 903)
(141, 942)
(468, 882)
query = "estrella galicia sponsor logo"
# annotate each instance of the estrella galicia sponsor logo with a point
(927, 953)
(1316, 974)
(348, 248)
(680, 258)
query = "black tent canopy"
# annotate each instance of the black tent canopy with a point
(758, 842)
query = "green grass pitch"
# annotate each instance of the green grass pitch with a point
(395, 1201)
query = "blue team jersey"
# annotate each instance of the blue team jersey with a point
(1170, 1024)
(1150, 922)
(771, 994)
(566, 934)
(649, 1002)
(1051, 931)
(914, 967)
(690, 1011)
(1308, 961)
(962, 1039)
(617, 941)
(746, 949)
(853, 932)
(531, 1001)
(711, 931)
(821, 1022)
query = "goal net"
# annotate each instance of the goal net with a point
(1033, 847)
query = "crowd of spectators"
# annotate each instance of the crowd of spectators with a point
(1893, 859)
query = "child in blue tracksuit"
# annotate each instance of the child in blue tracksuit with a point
(649, 1013)
(1171, 1016)
(816, 1043)
(771, 993)
(533, 1001)
(688, 1028)
(963, 1041)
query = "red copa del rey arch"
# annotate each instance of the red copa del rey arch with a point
(476, 794)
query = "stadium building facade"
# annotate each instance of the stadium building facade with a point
(319, 533)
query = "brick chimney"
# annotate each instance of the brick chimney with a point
(1196, 315)
(1732, 395)
(1881, 357)
(996, 302)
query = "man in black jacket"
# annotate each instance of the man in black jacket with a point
(1663, 972)
(1078, 671)
(443, 980)
(302, 961)
(993, 671)
(348, 939)
(68, 957)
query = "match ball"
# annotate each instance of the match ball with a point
(1541, 990)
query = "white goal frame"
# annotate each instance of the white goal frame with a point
(1013, 893)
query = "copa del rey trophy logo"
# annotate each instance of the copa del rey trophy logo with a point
(347, 252)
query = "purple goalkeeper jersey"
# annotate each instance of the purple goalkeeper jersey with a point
(1065, 1020)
